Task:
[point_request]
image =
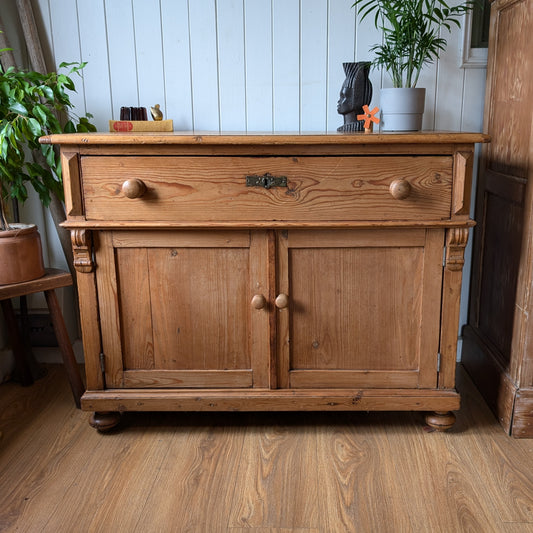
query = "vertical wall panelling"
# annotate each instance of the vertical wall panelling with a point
(428, 79)
(286, 64)
(177, 61)
(258, 57)
(149, 52)
(473, 99)
(230, 46)
(66, 40)
(256, 65)
(204, 67)
(449, 91)
(93, 41)
(32, 210)
(121, 55)
(51, 244)
(52, 252)
(472, 104)
(313, 65)
(366, 36)
(340, 49)
(57, 23)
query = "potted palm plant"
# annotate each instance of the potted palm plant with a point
(412, 38)
(31, 105)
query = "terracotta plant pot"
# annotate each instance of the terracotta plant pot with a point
(21, 256)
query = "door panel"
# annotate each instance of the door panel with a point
(337, 296)
(194, 326)
(359, 314)
(199, 311)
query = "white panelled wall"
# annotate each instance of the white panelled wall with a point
(235, 65)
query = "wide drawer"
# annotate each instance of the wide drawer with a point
(214, 189)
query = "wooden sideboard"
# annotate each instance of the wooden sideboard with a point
(268, 272)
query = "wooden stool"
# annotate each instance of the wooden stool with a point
(53, 279)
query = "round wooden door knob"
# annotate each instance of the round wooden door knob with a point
(282, 301)
(258, 301)
(133, 188)
(400, 189)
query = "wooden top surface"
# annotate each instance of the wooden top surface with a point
(214, 138)
(53, 279)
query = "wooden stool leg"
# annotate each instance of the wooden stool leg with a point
(22, 369)
(69, 360)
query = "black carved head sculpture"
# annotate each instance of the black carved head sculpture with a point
(356, 92)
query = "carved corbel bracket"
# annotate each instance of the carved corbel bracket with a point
(82, 248)
(456, 239)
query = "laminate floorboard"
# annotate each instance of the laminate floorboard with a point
(277, 482)
(194, 487)
(357, 492)
(256, 472)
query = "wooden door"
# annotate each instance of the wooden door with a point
(175, 308)
(497, 340)
(363, 308)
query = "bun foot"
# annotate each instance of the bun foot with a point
(104, 421)
(440, 420)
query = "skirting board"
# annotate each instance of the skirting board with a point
(512, 406)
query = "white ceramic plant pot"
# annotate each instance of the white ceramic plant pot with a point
(402, 109)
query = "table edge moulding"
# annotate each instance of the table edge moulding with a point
(263, 272)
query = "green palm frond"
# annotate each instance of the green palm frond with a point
(411, 33)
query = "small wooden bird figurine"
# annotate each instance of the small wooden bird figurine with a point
(157, 114)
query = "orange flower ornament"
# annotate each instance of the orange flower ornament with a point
(369, 117)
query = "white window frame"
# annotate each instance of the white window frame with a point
(472, 57)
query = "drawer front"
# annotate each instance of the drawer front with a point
(318, 189)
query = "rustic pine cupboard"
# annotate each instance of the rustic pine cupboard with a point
(268, 272)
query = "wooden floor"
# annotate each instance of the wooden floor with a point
(292, 472)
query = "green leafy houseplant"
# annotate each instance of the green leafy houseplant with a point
(32, 105)
(412, 33)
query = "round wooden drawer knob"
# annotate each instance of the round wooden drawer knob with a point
(133, 188)
(282, 301)
(258, 301)
(400, 189)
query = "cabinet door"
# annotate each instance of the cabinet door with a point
(363, 308)
(175, 308)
